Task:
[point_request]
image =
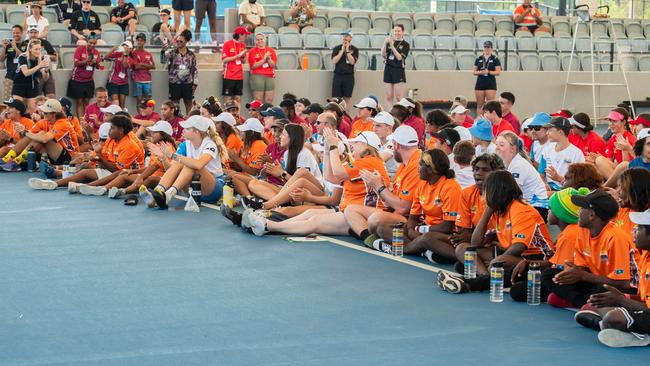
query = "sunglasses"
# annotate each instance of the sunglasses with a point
(319, 122)
(85, 2)
(536, 128)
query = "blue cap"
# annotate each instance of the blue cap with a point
(482, 130)
(540, 119)
(275, 112)
(67, 105)
(347, 32)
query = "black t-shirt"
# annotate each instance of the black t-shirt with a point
(102, 2)
(403, 48)
(489, 63)
(123, 11)
(343, 67)
(46, 46)
(152, 3)
(155, 32)
(12, 60)
(19, 78)
(64, 5)
(81, 20)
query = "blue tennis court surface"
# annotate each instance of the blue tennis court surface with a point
(88, 281)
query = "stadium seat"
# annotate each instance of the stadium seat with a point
(422, 39)
(444, 22)
(360, 38)
(141, 28)
(561, 25)
(623, 44)
(404, 19)
(379, 61)
(423, 22)
(599, 28)
(409, 62)
(338, 19)
(550, 61)
(583, 43)
(526, 41)
(377, 37)
(59, 34)
(465, 42)
(326, 56)
(289, 37)
(287, 60)
(313, 38)
(333, 37)
(644, 62)
(564, 43)
(545, 42)
(646, 28)
(445, 41)
(510, 40)
(381, 21)
(619, 28)
(565, 59)
(362, 62)
(465, 60)
(66, 57)
(465, 23)
(585, 61)
(629, 62)
(407, 38)
(272, 39)
(583, 28)
(50, 15)
(148, 16)
(360, 20)
(274, 19)
(314, 57)
(445, 61)
(15, 14)
(529, 61)
(485, 23)
(513, 63)
(5, 31)
(638, 43)
(504, 23)
(424, 60)
(112, 34)
(103, 14)
(320, 22)
(481, 39)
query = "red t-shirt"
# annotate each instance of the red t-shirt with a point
(503, 126)
(469, 121)
(617, 155)
(255, 55)
(418, 125)
(592, 143)
(528, 142)
(141, 57)
(514, 122)
(155, 117)
(176, 127)
(345, 127)
(233, 70)
(83, 73)
(119, 74)
(96, 110)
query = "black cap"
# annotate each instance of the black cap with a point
(15, 103)
(448, 135)
(487, 44)
(275, 112)
(230, 105)
(287, 103)
(560, 123)
(603, 204)
(314, 108)
(166, 11)
(67, 105)
(141, 36)
(265, 106)
(304, 101)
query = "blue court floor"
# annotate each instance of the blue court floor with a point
(88, 281)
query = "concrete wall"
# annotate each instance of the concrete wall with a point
(535, 91)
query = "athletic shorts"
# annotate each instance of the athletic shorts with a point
(180, 91)
(531, 28)
(78, 90)
(637, 321)
(394, 75)
(217, 192)
(203, 6)
(342, 85)
(261, 83)
(24, 90)
(47, 87)
(102, 173)
(183, 5)
(142, 90)
(231, 87)
(482, 84)
(64, 158)
(117, 89)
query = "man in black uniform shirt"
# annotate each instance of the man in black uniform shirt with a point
(10, 51)
(84, 21)
(124, 15)
(344, 57)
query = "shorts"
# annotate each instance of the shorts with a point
(342, 85)
(180, 91)
(203, 6)
(531, 28)
(24, 90)
(7, 85)
(117, 89)
(483, 84)
(232, 87)
(394, 75)
(79, 90)
(64, 158)
(123, 25)
(47, 87)
(217, 192)
(142, 90)
(261, 83)
(183, 5)
(637, 321)
(102, 173)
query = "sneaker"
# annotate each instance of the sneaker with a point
(160, 198)
(252, 202)
(87, 190)
(459, 267)
(47, 170)
(382, 246)
(258, 224)
(558, 302)
(588, 317)
(10, 166)
(276, 216)
(41, 184)
(370, 239)
(451, 283)
(10, 156)
(146, 196)
(73, 187)
(246, 219)
(232, 215)
(115, 192)
(617, 338)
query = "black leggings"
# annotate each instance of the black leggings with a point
(577, 293)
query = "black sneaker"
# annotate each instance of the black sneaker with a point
(451, 283)
(589, 319)
(160, 199)
(459, 267)
(230, 214)
(252, 202)
(277, 217)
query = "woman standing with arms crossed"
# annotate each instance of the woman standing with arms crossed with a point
(486, 68)
(262, 61)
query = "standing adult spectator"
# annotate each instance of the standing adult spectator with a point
(84, 23)
(64, 9)
(233, 55)
(507, 100)
(394, 51)
(203, 7)
(82, 85)
(118, 79)
(124, 15)
(163, 32)
(251, 14)
(10, 51)
(344, 57)
(486, 68)
(527, 17)
(141, 62)
(301, 14)
(46, 84)
(34, 17)
(262, 61)
(183, 73)
(184, 8)
(28, 69)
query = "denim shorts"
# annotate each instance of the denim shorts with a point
(216, 192)
(142, 90)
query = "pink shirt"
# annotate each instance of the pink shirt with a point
(176, 127)
(84, 73)
(94, 109)
(345, 127)
(418, 125)
(119, 73)
(141, 57)
(514, 121)
(276, 153)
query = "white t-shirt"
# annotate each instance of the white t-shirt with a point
(391, 164)
(253, 11)
(480, 150)
(305, 160)
(207, 147)
(41, 23)
(560, 160)
(538, 149)
(464, 176)
(529, 181)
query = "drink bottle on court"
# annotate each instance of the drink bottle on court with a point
(496, 282)
(196, 189)
(31, 160)
(228, 193)
(534, 284)
(398, 240)
(470, 263)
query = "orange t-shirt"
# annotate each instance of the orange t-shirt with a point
(251, 156)
(8, 126)
(438, 202)
(77, 127)
(644, 278)
(355, 190)
(528, 19)
(565, 245)
(523, 224)
(359, 126)
(407, 178)
(608, 254)
(138, 142)
(233, 142)
(622, 220)
(63, 133)
(161, 167)
(124, 153)
(472, 205)
(268, 135)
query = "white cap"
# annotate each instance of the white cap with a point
(463, 133)
(640, 218)
(366, 103)
(384, 118)
(459, 109)
(127, 44)
(405, 136)
(643, 133)
(112, 109)
(225, 117)
(103, 130)
(198, 122)
(573, 122)
(51, 106)
(252, 124)
(527, 121)
(368, 137)
(405, 103)
(162, 126)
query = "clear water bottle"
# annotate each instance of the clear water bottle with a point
(470, 263)
(534, 284)
(496, 282)
(398, 240)
(196, 189)
(423, 229)
(65, 173)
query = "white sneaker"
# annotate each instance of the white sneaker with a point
(92, 190)
(246, 218)
(41, 184)
(617, 338)
(258, 224)
(73, 187)
(115, 192)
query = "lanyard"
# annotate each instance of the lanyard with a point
(86, 18)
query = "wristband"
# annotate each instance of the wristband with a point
(174, 156)
(381, 189)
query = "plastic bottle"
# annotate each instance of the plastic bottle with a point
(31, 160)
(228, 193)
(196, 189)
(496, 282)
(398, 240)
(534, 284)
(305, 61)
(65, 173)
(470, 263)
(423, 229)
